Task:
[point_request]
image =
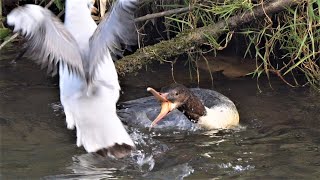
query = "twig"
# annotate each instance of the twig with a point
(164, 13)
(61, 13)
(9, 40)
(49, 4)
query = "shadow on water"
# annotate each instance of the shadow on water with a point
(279, 135)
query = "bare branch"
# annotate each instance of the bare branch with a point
(9, 40)
(164, 13)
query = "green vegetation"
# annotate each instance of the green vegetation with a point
(4, 32)
(285, 44)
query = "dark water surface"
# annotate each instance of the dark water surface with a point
(279, 137)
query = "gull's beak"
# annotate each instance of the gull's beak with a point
(166, 106)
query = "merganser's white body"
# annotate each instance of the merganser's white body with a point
(219, 117)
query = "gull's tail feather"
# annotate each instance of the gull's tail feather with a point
(98, 127)
(108, 138)
(118, 151)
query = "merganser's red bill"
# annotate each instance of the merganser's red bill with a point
(157, 95)
(166, 106)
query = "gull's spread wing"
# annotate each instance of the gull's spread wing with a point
(116, 29)
(48, 41)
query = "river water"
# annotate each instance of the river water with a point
(279, 136)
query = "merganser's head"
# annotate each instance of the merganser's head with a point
(177, 96)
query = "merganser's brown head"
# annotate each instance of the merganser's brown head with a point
(177, 96)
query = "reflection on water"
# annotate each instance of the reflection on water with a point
(278, 137)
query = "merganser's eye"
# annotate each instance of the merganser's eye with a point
(176, 93)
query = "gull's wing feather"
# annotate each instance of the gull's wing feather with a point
(116, 29)
(48, 41)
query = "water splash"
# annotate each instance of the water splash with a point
(87, 166)
(143, 161)
(236, 168)
(57, 108)
(179, 172)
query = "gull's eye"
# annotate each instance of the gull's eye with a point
(176, 93)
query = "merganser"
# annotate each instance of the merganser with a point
(141, 112)
(222, 114)
(89, 87)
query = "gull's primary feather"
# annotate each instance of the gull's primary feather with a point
(48, 40)
(115, 29)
